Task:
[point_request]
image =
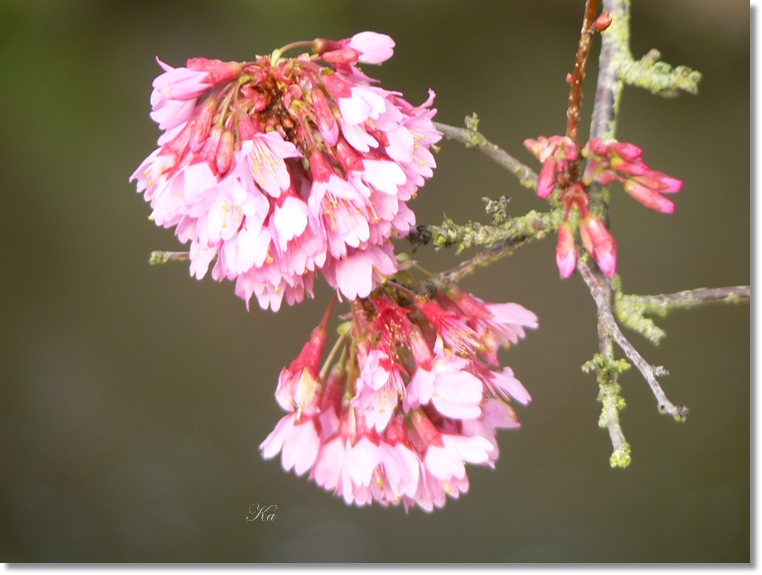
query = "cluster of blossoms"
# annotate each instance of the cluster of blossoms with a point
(607, 160)
(416, 393)
(282, 167)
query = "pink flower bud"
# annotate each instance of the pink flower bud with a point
(350, 160)
(336, 87)
(667, 184)
(649, 197)
(202, 124)
(219, 71)
(341, 56)
(546, 180)
(598, 243)
(605, 178)
(626, 150)
(598, 147)
(247, 128)
(566, 252)
(326, 123)
(225, 152)
(319, 167)
(602, 22)
(634, 168)
(569, 148)
(208, 153)
(533, 146)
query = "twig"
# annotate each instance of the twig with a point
(632, 310)
(609, 88)
(472, 138)
(605, 108)
(689, 298)
(515, 231)
(482, 259)
(575, 94)
(161, 257)
(605, 317)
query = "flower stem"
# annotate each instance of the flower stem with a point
(331, 355)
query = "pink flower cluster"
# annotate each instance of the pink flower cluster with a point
(608, 160)
(279, 168)
(416, 393)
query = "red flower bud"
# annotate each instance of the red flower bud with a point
(546, 181)
(598, 243)
(602, 22)
(566, 252)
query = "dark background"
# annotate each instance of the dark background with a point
(133, 398)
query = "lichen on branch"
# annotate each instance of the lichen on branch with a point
(632, 309)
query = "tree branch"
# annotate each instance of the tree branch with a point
(649, 372)
(631, 310)
(472, 138)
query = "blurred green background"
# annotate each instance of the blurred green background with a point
(133, 398)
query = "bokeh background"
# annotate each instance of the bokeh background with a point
(133, 398)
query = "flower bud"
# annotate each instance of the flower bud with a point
(602, 22)
(546, 180)
(598, 243)
(219, 71)
(649, 197)
(202, 124)
(566, 252)
(225, 152)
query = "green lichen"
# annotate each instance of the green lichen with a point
(631, 310)
(649, 73)
(158, 257)
(607, 374)
(658, 77)
(621, 457)
(518, 230)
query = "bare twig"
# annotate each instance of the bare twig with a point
(689, 298)
(605, 317)
(575, 94)
(161, 257)
(466, 268)
(631, 310)
(472, 138)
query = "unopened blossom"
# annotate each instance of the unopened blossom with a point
(279, 169)
(566, 252)
(555, 153)
(598, 243)
(415, 394)
(610, 160)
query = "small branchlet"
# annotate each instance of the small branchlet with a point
(658, 77)
(159, 257)
(632, 310)
(607, 373)
(474, 139)
(518, 230)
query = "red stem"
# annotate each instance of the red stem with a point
(575, 96)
